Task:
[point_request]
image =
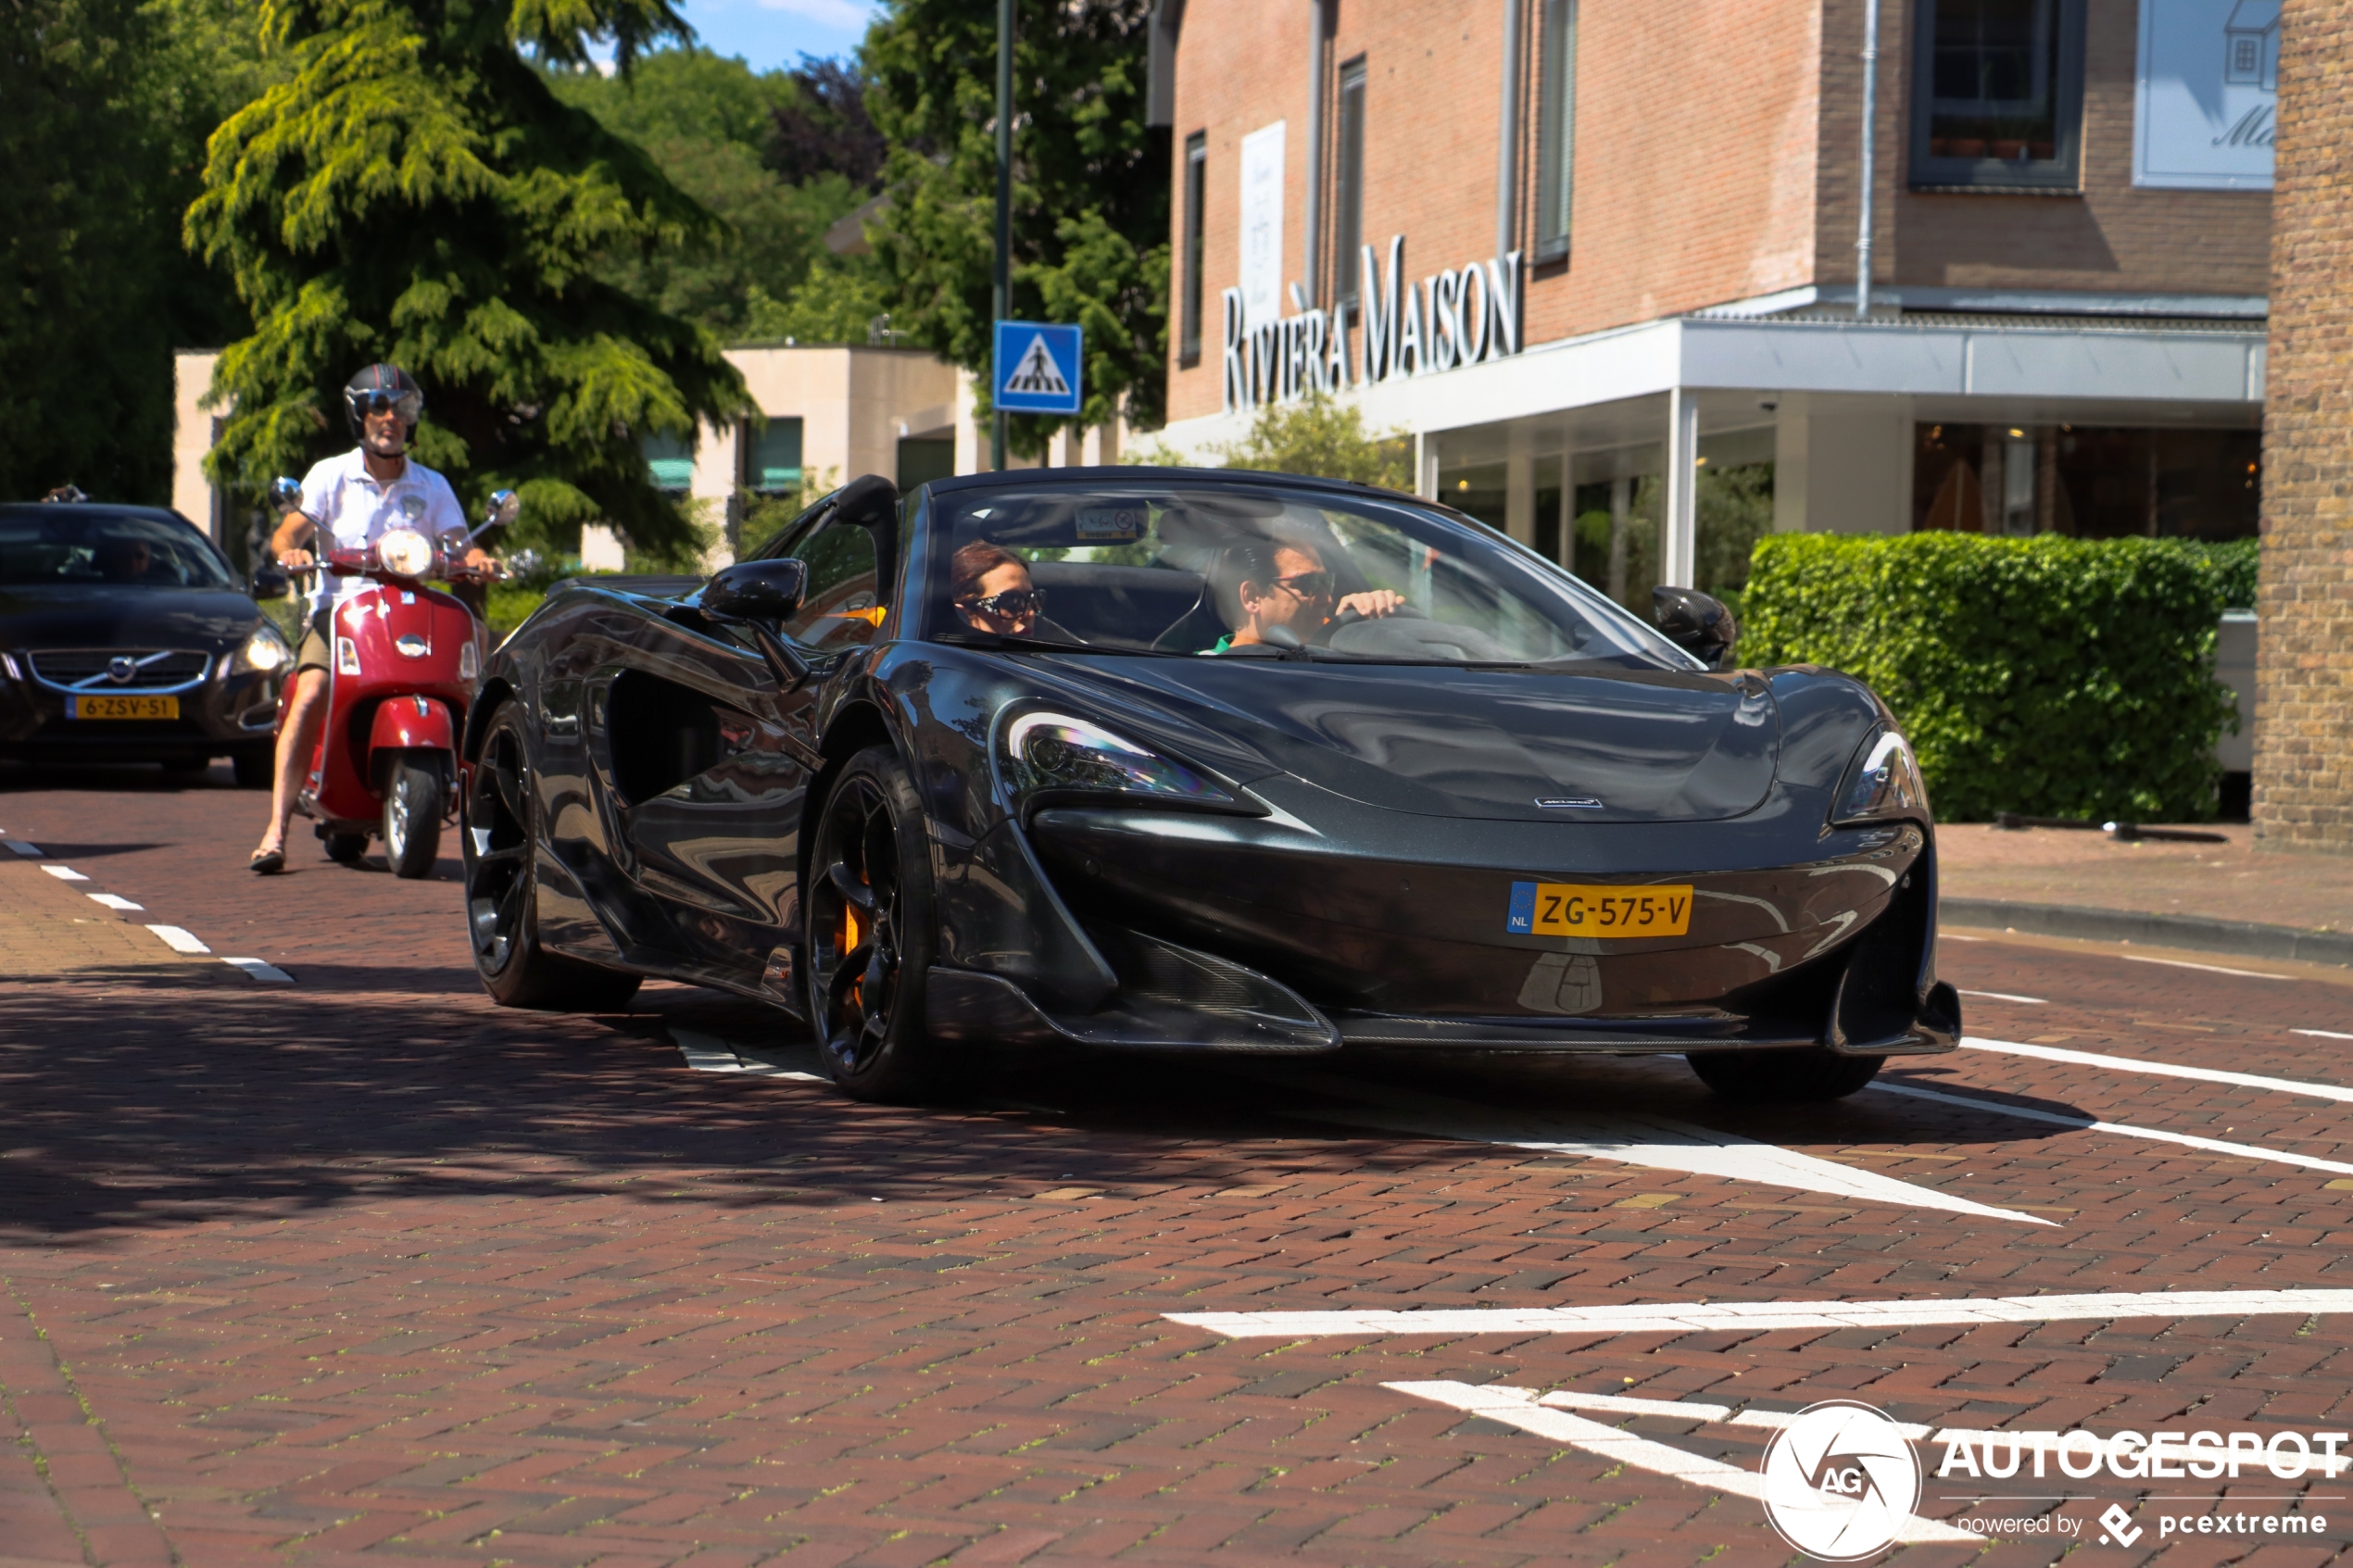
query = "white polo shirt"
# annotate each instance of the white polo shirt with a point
(352, 509)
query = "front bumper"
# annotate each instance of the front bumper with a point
(223, 714)
(1262, 935)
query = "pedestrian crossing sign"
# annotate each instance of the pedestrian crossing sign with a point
(1036, 367)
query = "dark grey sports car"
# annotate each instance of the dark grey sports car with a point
(125, 638)
(1174, 759)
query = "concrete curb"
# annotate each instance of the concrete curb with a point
(2247, 939)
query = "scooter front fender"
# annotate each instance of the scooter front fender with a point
(410, 723)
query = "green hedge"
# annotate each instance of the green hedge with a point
(2057, 677)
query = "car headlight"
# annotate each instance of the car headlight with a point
(1883, 780)
(404, 552)
(263, 652)
(1053, 751)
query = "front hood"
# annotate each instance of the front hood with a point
(210, 619)
(1648, 746)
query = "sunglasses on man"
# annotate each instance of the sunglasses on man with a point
(1307, 585)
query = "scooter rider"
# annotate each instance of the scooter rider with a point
(355, 497)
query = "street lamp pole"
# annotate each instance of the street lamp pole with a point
(1002, 295)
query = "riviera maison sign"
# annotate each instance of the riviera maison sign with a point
(1410, 328)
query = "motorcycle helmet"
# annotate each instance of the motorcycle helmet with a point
(377, 388)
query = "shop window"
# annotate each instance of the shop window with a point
(1348, 187)
(2087, 482)
(922, 459)
(1997, 93)
(1613, 538)
(670, 464)
(1555, 127)
(1475, 488)
(771, 464)
(1196, 231)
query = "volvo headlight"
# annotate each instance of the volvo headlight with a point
(1055, 751)
(263, 652)
(404, 552)
(1883, 780)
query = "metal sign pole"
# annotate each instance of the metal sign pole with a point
(1002, 293)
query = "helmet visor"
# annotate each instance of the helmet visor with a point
(407, 405)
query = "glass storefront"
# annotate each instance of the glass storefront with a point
(2087, 482)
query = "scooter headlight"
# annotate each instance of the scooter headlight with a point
(263, 652)
(404, 552)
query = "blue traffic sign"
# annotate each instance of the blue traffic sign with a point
(1037, 368)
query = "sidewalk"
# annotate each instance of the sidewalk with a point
(2224, 898)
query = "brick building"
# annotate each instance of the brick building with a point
(1600, 259)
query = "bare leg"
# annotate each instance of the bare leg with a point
(296, 739)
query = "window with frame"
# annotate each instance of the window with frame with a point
(1348, 184)
(1555, 126)
(1997, 93)
(772, 456)
(1195, 232)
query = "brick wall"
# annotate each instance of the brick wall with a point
(2112, 237)
(2304, 657)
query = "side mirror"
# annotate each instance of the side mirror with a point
(505, 507)
(286, 495)
(1701, 624)
(269, 581)
(757, 592)
(759, 595)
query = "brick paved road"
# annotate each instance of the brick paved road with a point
(362, 1269)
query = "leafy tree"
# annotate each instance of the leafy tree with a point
(1090, 188)
(1318, 436)
(414, 191)
(824, 127)
(108, 104)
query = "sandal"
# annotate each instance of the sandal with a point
(268, 862)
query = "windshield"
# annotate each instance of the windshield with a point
(68, 544)
(1248, 571)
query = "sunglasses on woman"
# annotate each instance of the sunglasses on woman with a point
(1018, 604)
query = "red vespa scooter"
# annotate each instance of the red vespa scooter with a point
(407, 659)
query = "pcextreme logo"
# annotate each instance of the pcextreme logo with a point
(1841, 1480)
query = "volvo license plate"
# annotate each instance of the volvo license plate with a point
(122, 708)
(1573, 908)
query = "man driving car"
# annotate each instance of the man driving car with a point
(354, 499)
(1265, 584)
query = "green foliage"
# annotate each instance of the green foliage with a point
(1090, 189)
(2052, 676)
(2234, 565)
(415, 192)
(836, 302)
(1318, 436)
(105, 106)
(708, 123)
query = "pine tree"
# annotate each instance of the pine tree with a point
(415, 193)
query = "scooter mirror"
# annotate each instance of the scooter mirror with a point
(505, 507)
(286, 495)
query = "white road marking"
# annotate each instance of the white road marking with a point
(1519, 1407)
(178, 940)
(707, 1053)
(114, 901)
(262, 970)
(2208, 968)
(65, 874)
(2085, 1124)
(2321, 1034)
(2161, 1069)
(21, 847)
(1631, 1139)
(2006, 996)
(1762, 1317)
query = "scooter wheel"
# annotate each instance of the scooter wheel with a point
(416, 793)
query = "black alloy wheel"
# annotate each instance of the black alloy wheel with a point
(1766, 1077)
(416, 793)
(873, 922)
(496, 839)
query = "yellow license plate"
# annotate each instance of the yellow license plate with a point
(122, 708)
(1572, 909)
